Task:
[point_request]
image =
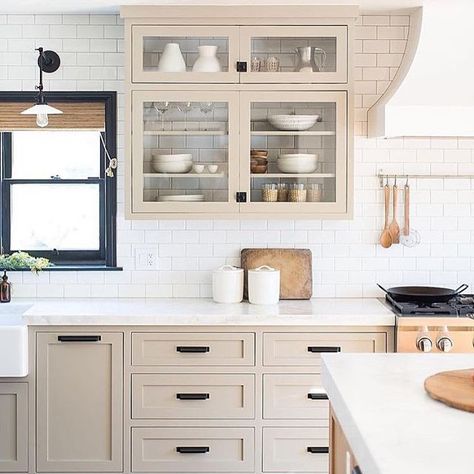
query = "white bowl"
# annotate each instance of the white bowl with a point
(198, 168)
(298, 156)
(179, 157)
(212, 168)
(293, 122)
(170, 167)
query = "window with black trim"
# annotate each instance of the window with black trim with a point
(58, 201)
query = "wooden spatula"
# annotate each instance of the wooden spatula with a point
(385, 237)
(394, 228)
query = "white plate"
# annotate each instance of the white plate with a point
(293, 122)
(182, 197)
(298, 156)
(171, 158)
(180, 167)
(297, 166)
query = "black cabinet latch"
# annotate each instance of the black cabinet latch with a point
(241, 197)
(241, 66)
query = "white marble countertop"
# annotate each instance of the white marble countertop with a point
(200, 311)
(390, 422)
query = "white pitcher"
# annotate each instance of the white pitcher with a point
(207, 60)
(171, 59)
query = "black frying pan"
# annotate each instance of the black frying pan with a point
(423, 294)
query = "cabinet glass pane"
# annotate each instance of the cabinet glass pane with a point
(185, 156)
(293, 151)
(180, 53)
(298, 54)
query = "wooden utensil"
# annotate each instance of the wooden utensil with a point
(454, 388)
(385, 237)
(409, 237)
(295, 265)
(394, 228)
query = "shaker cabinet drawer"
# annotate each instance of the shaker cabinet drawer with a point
(195, 396)
(294, 396)
(193, 349)
(193, 450)
(295, 450)
(296, 349)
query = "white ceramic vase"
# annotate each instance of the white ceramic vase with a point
(207, 60)
(171, 59)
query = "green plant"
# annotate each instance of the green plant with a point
(21, 260)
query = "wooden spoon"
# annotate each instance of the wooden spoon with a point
(394, 228)
(386, 238)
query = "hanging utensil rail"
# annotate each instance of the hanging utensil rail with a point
(383, 177)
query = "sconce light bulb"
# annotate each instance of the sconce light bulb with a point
(42, 120)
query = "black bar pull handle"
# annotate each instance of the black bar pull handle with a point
(317, 396)
(192, 349)
(317, 449)
(356, 470)
(79, 338)
(192, 396)
(324, 349)
(192, 449)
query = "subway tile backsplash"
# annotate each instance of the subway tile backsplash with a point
(347, 261)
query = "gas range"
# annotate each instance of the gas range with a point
(437, 327)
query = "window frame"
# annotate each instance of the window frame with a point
(106, 256)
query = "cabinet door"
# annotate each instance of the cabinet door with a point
(289, 54)
(185, 147)
(304, 135)
(79, 402)
(159, 51)
(13, 427)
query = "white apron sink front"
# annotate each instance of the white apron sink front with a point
(13, 342)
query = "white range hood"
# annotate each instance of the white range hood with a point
(433, 91)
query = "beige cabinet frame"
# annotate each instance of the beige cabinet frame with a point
(13, 427)
(79, 403)
(140, 75)
(337, 32)
(206, 207)
(291, 208)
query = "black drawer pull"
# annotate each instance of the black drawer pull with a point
(317, 396)
(317, 450)
(192, 396)
(192, 449)
(356, 470)
(79, 338)
(192, 349)
(324, 349)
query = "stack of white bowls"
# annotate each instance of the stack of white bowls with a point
(297, 163)
(177, 163)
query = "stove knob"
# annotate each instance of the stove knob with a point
(424, 344)
(444, 344)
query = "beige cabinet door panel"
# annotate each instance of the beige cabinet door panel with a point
(193, 349)
(297, 349)
(193, 450)
(293, 396)
(193, 396)
(79, 400)
(13, 427)
(295, 450)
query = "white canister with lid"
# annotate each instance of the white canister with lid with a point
(264, 285)
(228, 284)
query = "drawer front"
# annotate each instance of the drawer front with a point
(295, 396)
(296, 349)
(193, 349)
(195, 396)
(193, 450)
(295, 450)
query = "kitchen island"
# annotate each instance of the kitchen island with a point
(390, 423)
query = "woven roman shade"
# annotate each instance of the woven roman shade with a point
(76, 115)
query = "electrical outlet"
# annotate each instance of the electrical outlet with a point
(146, 258)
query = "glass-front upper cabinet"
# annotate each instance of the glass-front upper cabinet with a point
(293, 152)
(185, 54)
(288, 54)
(184, 151)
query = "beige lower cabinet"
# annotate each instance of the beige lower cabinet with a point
(79, 402)
(342, 460)
(193, 449)
(13, 427)
(299, 449)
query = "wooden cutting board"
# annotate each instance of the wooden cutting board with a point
(454, 388)
(295, 265)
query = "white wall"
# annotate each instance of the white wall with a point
(347, 259)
